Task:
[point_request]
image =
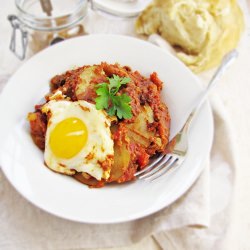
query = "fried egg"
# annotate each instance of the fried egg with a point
(78, 139)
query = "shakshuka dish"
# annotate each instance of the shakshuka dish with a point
(101, 123)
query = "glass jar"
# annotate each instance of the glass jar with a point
(40, 23)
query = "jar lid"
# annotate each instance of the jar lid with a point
(122, 8)
(62, 14)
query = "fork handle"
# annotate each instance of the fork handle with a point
(227, 61)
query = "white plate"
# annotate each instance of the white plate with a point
(22, 161)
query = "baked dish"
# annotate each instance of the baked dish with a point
(101, 123)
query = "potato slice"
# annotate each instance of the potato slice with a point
(138, 138)
(92, 182)
(138, 131)
(121, 161)
(86, 76)
(140, 125)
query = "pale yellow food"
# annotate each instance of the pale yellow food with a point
(78, 138)
(201, 31)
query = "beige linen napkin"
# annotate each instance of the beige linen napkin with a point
(222, 175)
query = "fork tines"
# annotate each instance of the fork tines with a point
(158, 167)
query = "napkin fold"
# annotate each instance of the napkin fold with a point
(221, 177)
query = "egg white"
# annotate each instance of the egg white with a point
(99, 143)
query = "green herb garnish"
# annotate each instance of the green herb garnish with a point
(112, 102)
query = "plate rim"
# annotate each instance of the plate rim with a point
(206, 105)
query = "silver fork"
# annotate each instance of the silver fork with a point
(162, 164)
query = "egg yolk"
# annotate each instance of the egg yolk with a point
(68, 138)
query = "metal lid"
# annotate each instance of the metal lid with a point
(121, 8)
(63, 13)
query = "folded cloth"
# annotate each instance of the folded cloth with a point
(221, 175)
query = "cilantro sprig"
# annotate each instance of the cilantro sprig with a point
(110, 100)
